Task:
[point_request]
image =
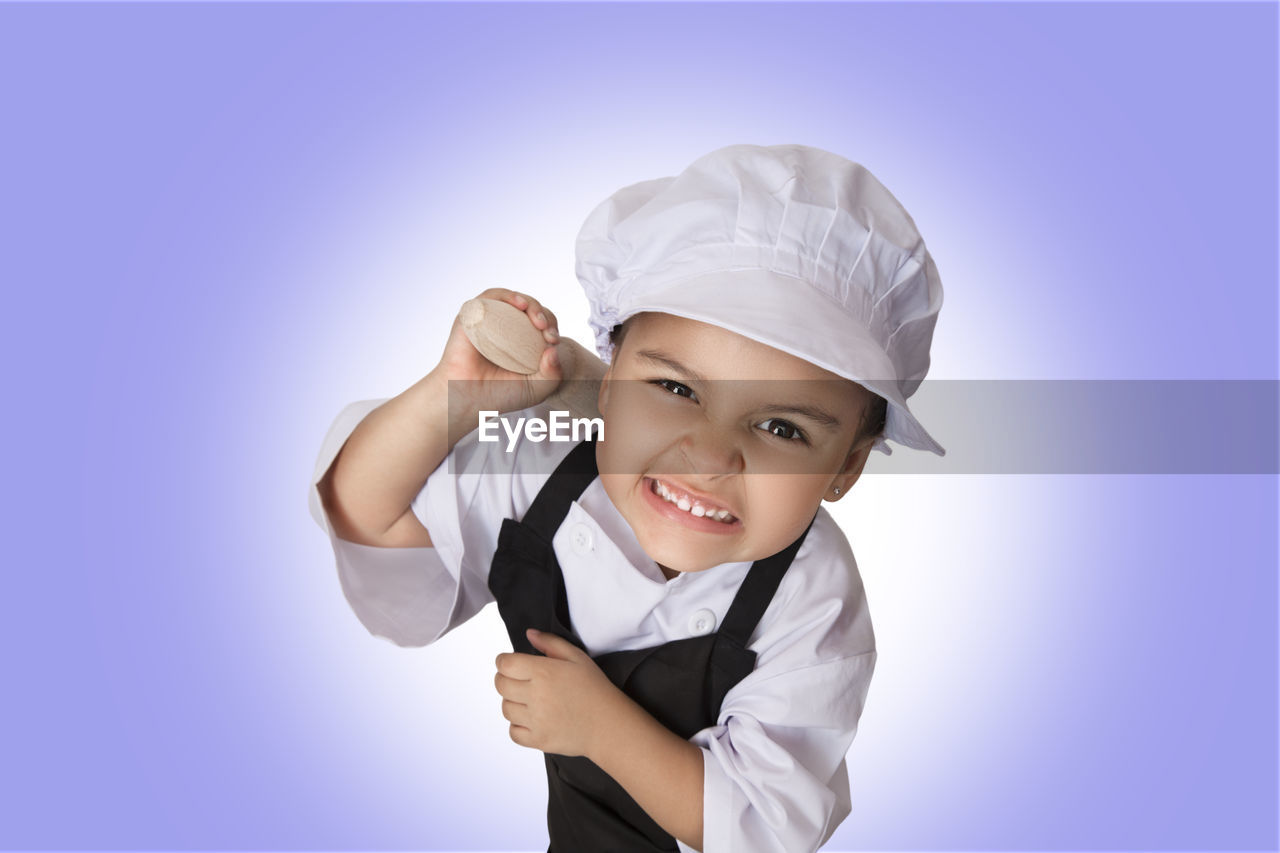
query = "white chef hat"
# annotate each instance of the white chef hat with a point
(792, 246)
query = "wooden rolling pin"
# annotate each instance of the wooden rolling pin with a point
(506, 336)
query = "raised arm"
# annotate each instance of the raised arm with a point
(387, 459)
(384, 464)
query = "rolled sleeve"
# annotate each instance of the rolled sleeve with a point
(775, 779)
(409, 596)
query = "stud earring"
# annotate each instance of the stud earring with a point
(837, 490)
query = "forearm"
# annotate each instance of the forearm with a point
(661, 771)
(387, 458)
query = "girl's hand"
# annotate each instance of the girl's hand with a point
(480, 384)
(562, 703)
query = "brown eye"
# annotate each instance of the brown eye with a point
(674, 387)
(785, 430)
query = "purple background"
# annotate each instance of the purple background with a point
(221, 223)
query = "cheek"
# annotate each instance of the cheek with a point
(785, 494)
(625, 448)
(631, 404)
(616, 487)
(634, 438)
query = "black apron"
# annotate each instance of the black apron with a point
(680, 683)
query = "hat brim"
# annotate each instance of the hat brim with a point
(770, 308)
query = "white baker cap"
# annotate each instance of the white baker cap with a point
(792, 246)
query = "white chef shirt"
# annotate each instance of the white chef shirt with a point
(775, 777)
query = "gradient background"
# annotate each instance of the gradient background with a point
(221, 223)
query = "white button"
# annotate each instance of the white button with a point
(702, 622)
(582, 540)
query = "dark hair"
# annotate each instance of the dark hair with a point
(618, 332)
(873, 415)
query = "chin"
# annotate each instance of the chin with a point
(676, 559)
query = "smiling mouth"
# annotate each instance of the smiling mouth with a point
(690, 505)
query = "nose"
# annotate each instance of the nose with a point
(711, 452)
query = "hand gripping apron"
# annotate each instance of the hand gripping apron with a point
(680, 683)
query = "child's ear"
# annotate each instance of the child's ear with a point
(853, 465)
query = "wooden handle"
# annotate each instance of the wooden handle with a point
(505, 335)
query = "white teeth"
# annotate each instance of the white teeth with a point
(688, 506)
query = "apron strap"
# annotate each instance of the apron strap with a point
(757, 591)
(570, 479)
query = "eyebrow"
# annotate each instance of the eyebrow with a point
(820, 416)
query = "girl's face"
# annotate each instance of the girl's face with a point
(719, 420)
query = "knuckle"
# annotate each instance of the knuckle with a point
(504, 294)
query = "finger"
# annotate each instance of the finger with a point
(543, 381)
(515, 689)
(516, 712)
(543, 320)
(541, 317)
(549, 363)
(553, 645)
(521, 735)
(552, 331)
(515, 665)
(506, 663)
(504, 294)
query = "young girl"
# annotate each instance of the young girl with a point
(692, 644)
